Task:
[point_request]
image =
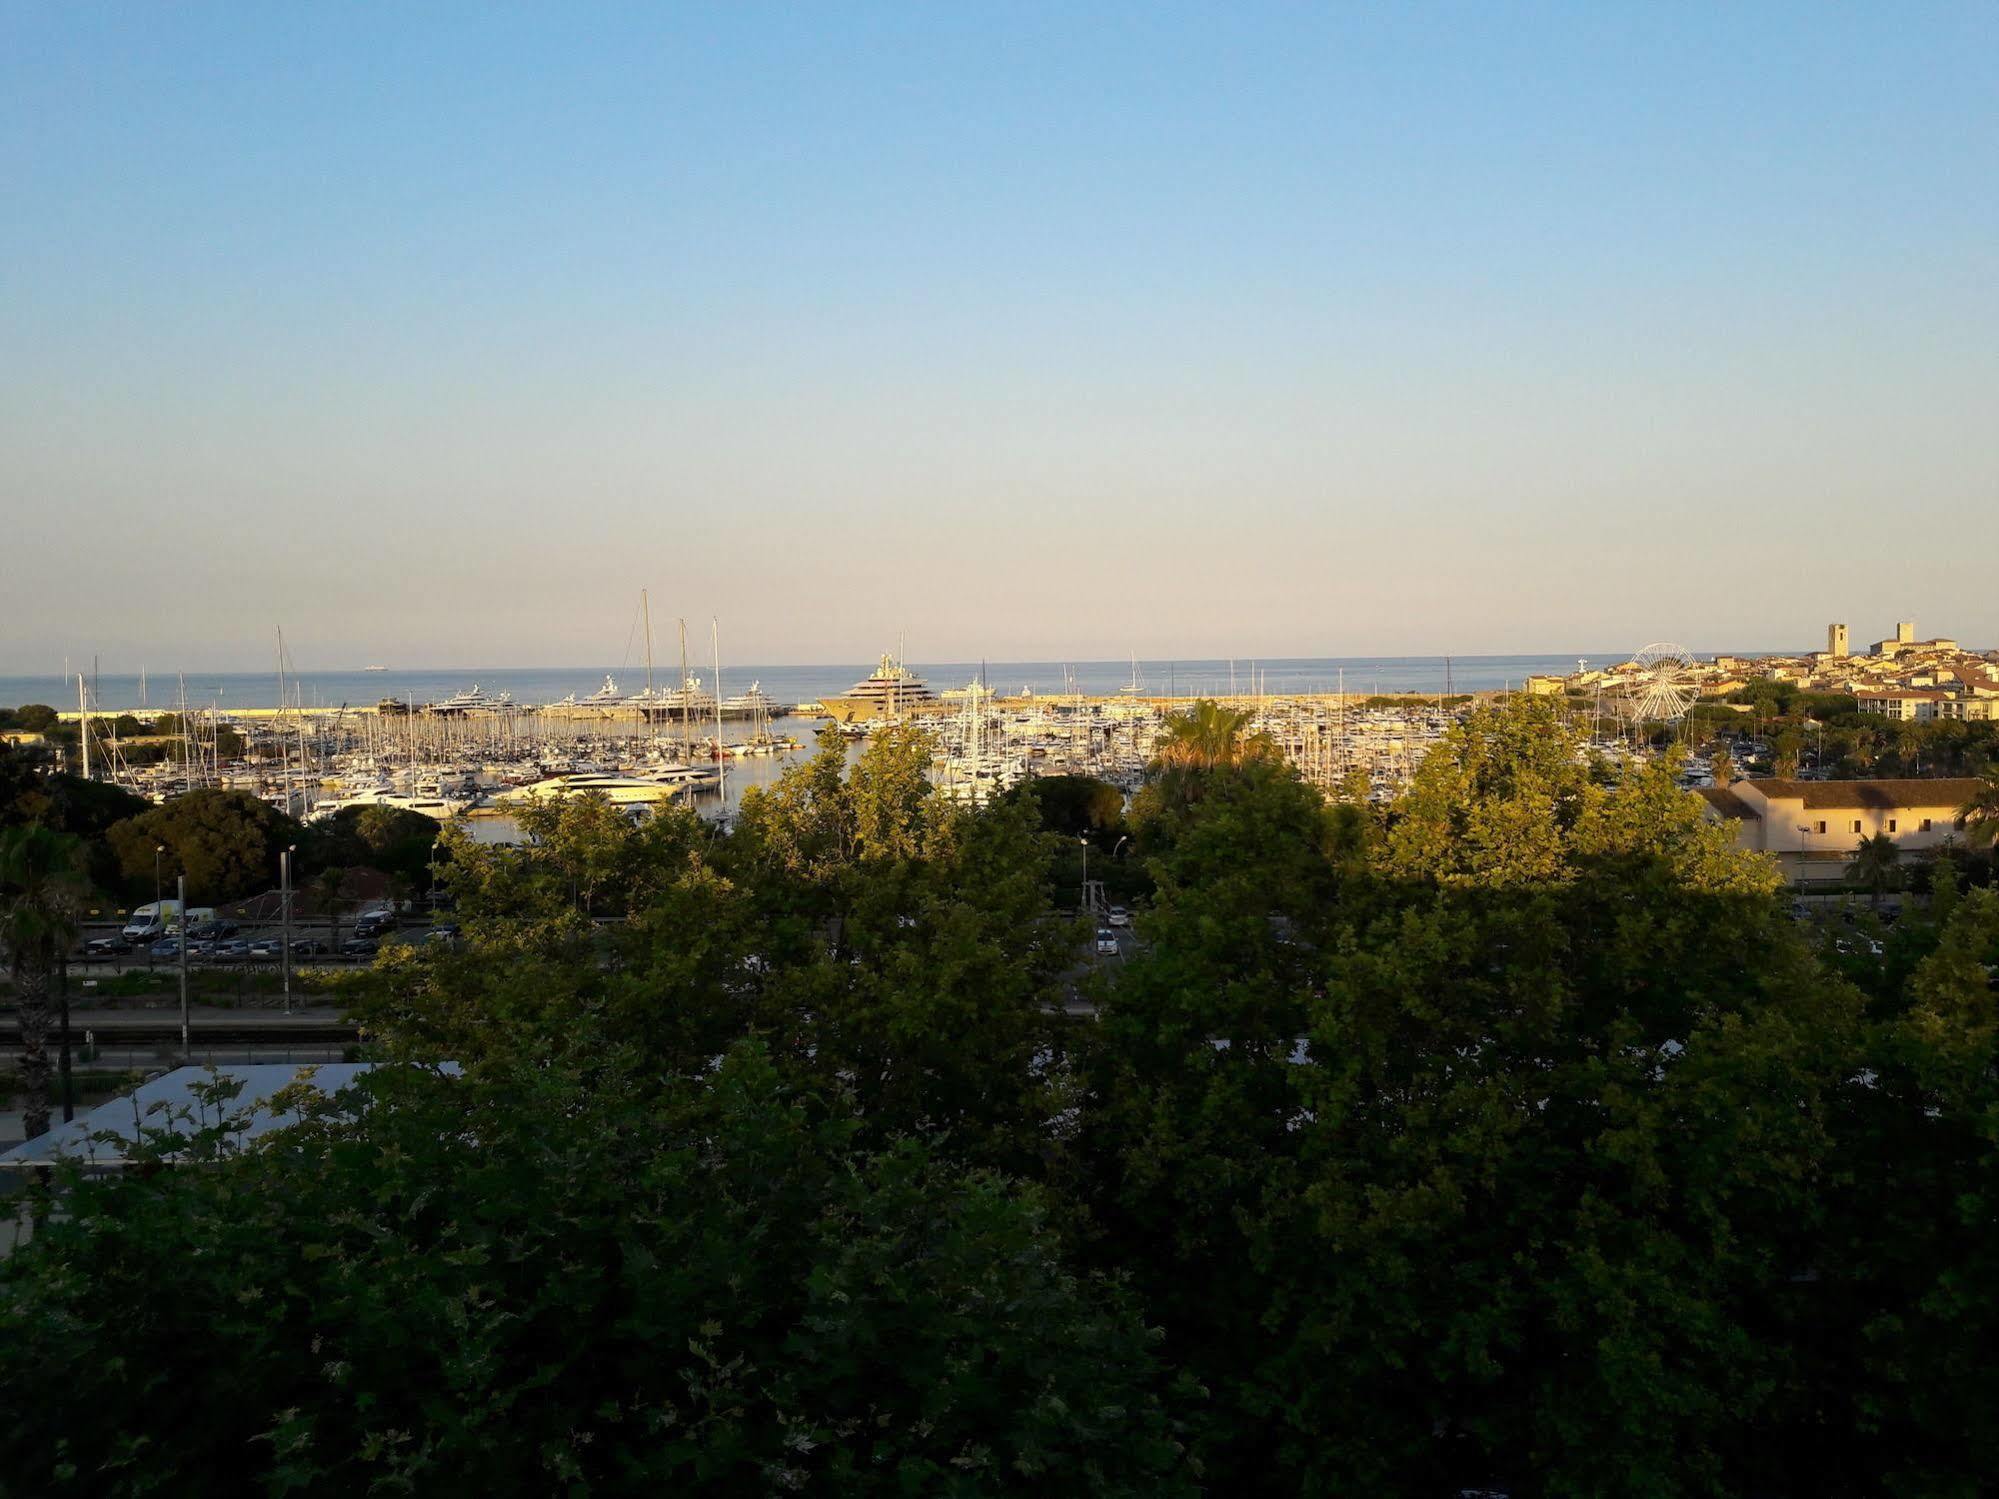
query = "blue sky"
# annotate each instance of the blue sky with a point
(434, 333)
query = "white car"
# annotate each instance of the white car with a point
(1106, 942)
(1120, 916)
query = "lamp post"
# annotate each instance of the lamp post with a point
(285, 903)
(186, 1029)
(158, 914)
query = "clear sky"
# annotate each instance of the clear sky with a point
(433, 333)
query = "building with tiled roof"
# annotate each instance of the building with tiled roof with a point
(1814, 827)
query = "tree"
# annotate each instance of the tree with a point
(1438, 1170)
(1979, 815)
(595, 935)
(393, 840)
(1075, 805)
(541, 1283)
(329, 887)
(1207, 736)
(36, 718)
(1723, 764)
(1876, 862)
(1786, 749)
(39, 873)
(888, 789)
(226, 842)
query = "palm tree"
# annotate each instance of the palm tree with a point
(1979, 816)
(1875, 864)
(1206, 736)
(39, 873)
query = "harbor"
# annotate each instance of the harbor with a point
(482, 754)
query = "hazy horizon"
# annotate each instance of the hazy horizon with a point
(1037, 332)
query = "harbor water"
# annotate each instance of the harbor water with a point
(160, 689)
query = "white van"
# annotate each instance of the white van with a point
(154, 919)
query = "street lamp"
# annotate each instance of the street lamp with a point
(158, 915)
(285, 904)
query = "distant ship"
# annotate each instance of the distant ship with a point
(374, 668)
(892, 691)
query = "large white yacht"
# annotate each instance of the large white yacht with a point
(618, 790)
(441, 807)
(474, 701)
(690, 700)
(754, 704)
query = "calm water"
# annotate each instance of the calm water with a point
(807, 684)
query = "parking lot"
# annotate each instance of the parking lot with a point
(227, 944)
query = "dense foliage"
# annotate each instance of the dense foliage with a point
(548, 1286)
(1513, 1135)
(225, 842)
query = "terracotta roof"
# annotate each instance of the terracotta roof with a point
(1920, 694)
(1725, 802)
(1885, 796)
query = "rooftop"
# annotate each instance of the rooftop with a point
(1952, 792)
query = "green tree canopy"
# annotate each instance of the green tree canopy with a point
(393, 840)
(226, 842)
(531, 1286)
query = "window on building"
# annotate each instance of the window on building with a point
(1891, 824)
(1856, 824)
(1821, 827)
(1926, 824)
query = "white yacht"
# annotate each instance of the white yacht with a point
(441, 807)
(474, 701)
(690, 700)
(755, 704)
(605, 696)
(618, 790)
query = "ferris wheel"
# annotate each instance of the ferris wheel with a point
(1662, 689)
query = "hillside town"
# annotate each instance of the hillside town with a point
(1900, 677)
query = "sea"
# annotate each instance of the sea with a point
(222, 691)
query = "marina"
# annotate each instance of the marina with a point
(482, 754)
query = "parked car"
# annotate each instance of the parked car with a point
(1120, 916)
(105, 947)
(235, 950)
(360, 947)
(212, 931)
(443, 935)
(1106, 942)
(373, 925)
(308, 947)
(166, 947)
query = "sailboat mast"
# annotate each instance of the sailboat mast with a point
(645, 609)
(686, 752)
(83, 723)
(278, 727)
(721, 755)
